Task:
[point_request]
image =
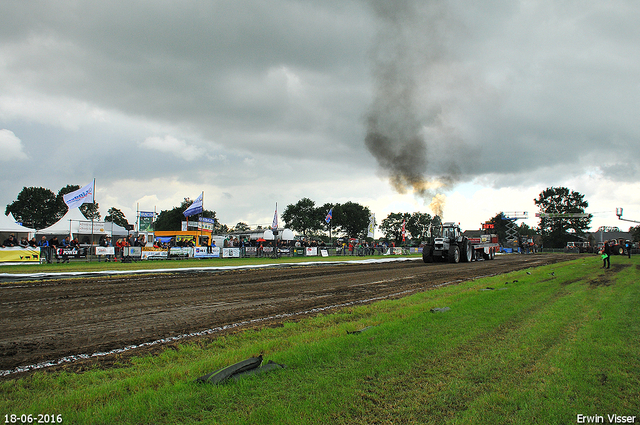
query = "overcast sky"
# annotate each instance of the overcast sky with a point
(388, 104)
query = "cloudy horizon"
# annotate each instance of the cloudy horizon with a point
(382, 103)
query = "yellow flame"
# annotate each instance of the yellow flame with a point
(437, 204)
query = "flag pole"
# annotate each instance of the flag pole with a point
(92, 217)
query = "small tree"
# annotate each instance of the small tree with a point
(116, 216)
(241, 227)
(635, 233)
(171, 220)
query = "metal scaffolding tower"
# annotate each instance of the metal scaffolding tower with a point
(512, 228)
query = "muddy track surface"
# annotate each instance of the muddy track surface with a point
(49, 320)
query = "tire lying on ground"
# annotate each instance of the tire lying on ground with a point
(223, 374)
(239, 370)
(266, 367)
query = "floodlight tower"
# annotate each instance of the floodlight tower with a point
(619, 214)
(512, 229)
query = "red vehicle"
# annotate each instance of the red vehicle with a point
(618, 246)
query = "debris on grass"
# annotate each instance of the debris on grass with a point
(239, 370)
(440, 310)
(359, 331)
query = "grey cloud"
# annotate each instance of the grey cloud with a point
(497, 91)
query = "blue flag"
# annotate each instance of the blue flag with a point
(195, 208)
(329, 216)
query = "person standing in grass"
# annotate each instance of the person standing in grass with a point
(606, 253)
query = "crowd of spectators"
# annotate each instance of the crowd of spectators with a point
(259, 247)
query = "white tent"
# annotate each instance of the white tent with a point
(9, 226)
(67, 225)
(75, 223)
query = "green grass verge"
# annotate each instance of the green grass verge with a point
(539, 348)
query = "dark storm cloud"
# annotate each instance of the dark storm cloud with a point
(499, 91)
(225, 67)
(502, 87)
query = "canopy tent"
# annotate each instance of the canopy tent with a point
(67, 225)
(74, 223)
(285, 235)
(9, 226)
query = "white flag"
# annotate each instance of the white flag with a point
(79, 197)
(274, 225)
(372, 225)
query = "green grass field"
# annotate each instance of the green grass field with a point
(542, 347)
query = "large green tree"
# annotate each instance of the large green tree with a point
(391, 226)
(36, 207)
(562, 201)
(351, 218)
(419, 224)
(303, 217)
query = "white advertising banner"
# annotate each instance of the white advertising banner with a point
(105, 250)
(98, 228)
(231, 252)
(311, 251)
(154, 254)
(132, 251)
(176, 251)
(204, 252)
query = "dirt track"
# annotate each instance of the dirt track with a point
(52, 319)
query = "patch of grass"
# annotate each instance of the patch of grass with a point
(539, 348)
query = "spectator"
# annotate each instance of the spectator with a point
(606, 253)
(33, 243)
(45, 249)
(10, 242)
(141, 241)
(24, 242)
(106, 242)
(66, 243)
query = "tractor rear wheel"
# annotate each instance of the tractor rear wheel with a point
(454, 254)
(467, 251)
(427, 254)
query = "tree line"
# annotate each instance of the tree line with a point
(38, 208)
